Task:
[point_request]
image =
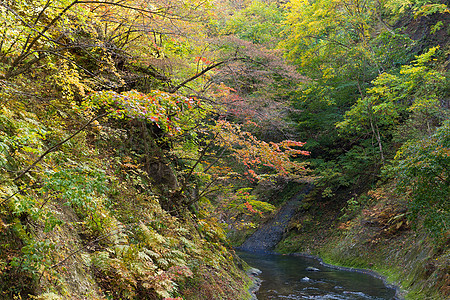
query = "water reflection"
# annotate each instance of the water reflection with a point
(292, 277)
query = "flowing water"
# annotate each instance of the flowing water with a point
(294, 277)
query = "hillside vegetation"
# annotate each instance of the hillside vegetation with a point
(137, 136)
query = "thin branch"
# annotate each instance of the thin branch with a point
(195, 165)
(20, 189)
(51, 149)
(142, 10)
(106, 235)
(26, 52)
(31, 27)
(215, 161)
(42, 11)
(9, 197)
(49, 25)
(205, 70)
(205, 190)
(105, 84)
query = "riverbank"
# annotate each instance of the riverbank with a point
(253, 273)
(376, 235)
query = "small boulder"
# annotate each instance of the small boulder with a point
(306, 279)
(253, 272)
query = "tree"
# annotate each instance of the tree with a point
(341, 46)
(253, 89)
(259, 156)
(416, 90)
(422, 169)
(329, 38)
(101, 39)
(258, 23)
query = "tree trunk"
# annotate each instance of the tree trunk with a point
(376, 133)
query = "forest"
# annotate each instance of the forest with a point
(141, 141)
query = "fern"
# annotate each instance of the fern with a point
(101, 260)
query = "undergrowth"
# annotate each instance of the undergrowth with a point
(87, 221)
(377, 235)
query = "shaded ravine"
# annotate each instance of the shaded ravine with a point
(269, 234)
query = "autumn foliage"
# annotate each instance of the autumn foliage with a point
(258, 156)
(158, 107)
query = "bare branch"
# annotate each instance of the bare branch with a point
(205, 70)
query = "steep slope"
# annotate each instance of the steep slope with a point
(377, 235)
(270, 233)
(87, 223)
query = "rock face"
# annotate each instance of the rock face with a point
(270, 233)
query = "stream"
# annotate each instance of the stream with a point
(301, 277)
(296, 277)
